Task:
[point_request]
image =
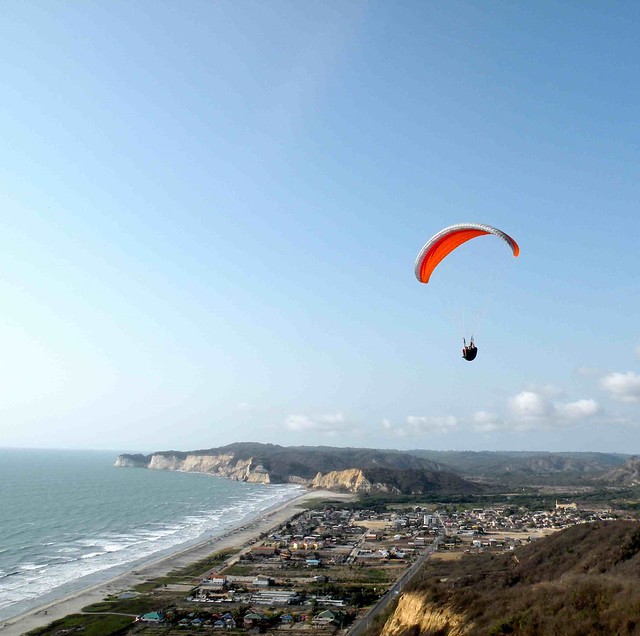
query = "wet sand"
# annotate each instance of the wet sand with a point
(73, 603)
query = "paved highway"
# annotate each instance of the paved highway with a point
(381, 606)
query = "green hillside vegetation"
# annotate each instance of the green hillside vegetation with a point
(393, 469)
(583, 580)
(525, 464)
(466, 474)
(496, 470)
(307, 461)
(422, 481)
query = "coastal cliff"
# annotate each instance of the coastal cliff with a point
(393, 481)
(338, 469)
(222, 465)
(351, 480)
(132, 461)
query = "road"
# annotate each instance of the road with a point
(382, 605)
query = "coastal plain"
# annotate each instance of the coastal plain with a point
(235, 539)
(366, 566)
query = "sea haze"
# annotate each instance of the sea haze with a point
(69, 519)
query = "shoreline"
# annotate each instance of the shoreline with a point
(72, 603)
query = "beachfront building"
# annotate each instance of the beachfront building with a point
(215, 581)
(151, 617)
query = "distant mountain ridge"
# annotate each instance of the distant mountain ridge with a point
(408, 472)
(626, 475)
(524, 463)
(346, 469)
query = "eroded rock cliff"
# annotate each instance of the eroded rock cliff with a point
(352, 480)
(415, 615)
(223, 465)
(132, 461)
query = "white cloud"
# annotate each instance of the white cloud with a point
(624, 387)
(525, 411)
(329, 423)
(579, 409)
(532, 410)
(546, 390)
(421, 424)
(486, 422)
(431, 424)
(394, 430)
(529, 405)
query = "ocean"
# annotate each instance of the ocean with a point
(70, 519)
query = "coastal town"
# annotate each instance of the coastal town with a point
(319, 318)
(327, 570)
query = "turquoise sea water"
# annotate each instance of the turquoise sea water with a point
(69, 519)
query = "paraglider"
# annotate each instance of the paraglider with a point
(439, 246)
(470, 352)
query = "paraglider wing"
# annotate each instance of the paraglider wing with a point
(444, 242)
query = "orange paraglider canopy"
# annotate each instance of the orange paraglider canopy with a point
(444, 242)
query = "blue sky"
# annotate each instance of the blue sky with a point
(210, 211)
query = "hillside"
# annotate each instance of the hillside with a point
(626, 475)
(345, 469)
(582, 580)
(511, 465)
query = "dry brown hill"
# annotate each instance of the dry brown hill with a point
(580, 581)
(626, 475)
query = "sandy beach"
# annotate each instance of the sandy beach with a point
(73, 603)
